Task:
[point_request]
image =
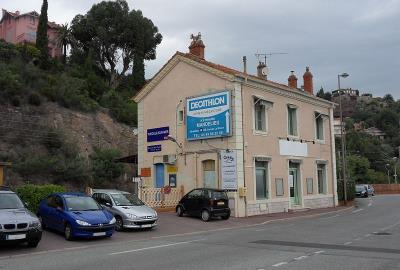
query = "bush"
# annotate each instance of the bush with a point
(33, 194)
(351, 190)
(34, 99)
(104, 166)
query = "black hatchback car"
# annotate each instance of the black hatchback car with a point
(206, 203)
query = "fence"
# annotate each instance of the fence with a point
(158, 198)
(387, 188)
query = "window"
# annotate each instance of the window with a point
(180, 117)
(292, 120)
(197, 193)
(260, 114)
(51, 201)
(261, 180)
(279, 187)
(321, 172)
(310, 189)
(319, 126)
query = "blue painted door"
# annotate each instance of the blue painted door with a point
(159, 175)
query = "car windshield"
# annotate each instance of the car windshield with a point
(81, 204)
(10, 201)
(217, 195)
(360, 188)
(126, 199)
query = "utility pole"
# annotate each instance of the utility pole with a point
(343, 140)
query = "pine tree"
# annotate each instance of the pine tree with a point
(42, 41)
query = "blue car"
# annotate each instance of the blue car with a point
(76, 215)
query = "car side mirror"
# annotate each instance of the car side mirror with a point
(59, 209)
(108, 204)
(26, 204)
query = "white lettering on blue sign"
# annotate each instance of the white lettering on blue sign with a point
(208, 116)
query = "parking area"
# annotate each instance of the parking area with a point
(169, 225)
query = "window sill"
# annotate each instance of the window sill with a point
(297, 137)
(320, 141)
(260, 133)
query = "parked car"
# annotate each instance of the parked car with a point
(76, 215)
(128, 210)
(361, 191)
(371, 190)
(17, 223)
(206, 203)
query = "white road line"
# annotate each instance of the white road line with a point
(154, 247)
(330, 217)
(358, 210)
(279, 264)
(348, 243)
(391, 226)
(300, 258)
(319, 252)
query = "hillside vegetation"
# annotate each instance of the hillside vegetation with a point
(67, 120)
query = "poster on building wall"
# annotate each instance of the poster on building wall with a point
(208, 116)
(228, 170)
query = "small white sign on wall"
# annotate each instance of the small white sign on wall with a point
(290, 148)
(228, 170)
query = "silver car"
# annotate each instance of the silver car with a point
(128, 210)
(17, 223)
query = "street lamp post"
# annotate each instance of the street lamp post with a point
(388, 171)
(343, 141)
(395, 169)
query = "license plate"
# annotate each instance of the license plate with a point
(220, 203)
(99, 234)
(16, 236)
(146, 226)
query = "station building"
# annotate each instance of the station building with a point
(270, 145)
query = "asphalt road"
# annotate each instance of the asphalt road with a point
(366, 237)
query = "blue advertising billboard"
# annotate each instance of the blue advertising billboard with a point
(157, 134)
(208, 116)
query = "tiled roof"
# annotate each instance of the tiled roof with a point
(229, 71)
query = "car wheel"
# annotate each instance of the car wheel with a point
(179, 211)
(119, 224)
(41, 222)
(227, 216)
(68, 232)
(33, 244)
(205, 215)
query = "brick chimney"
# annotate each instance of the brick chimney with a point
(308, 81)
(292, 80)
(197, 46)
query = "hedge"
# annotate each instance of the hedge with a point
(351, 190)
(33, 194)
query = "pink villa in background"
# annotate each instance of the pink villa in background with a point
(19, 28)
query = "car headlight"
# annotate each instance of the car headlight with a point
(82, 223)
(112, 221)
(131, 216)
(34, 224)
(155, 214)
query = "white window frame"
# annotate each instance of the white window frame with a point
(257, 99)
(292, 106)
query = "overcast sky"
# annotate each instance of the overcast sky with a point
(360, 37)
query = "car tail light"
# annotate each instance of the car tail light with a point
(212, 202)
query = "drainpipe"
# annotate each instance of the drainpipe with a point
(333, 156)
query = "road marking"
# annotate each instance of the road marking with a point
(154, 247)
(331, 217)
(279, 264)
(358, 210)
(300, 258)
(348, 243)
(391, 226)
(357, 239)
(319, 252)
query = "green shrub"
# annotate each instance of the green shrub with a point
(33, 194)
(351, 190)
(28, 52)
(104, 166)
(34, 99)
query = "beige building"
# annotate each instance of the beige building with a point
(201, 124)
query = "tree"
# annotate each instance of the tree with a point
(105, 168)
(42, 41)
(64, 38)
(324, 95)
(116, 36)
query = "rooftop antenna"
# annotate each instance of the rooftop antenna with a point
(264, 56)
